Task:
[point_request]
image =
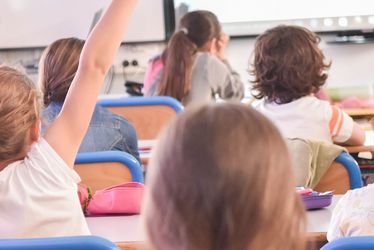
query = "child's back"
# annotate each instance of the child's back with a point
(309, 118)
(289, 69)
(38, 186)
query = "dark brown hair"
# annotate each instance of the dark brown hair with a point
(287, 64)
(196, 29)
(19, 110)
(221, 178)
(58, 66)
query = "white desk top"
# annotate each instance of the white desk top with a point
(145, 148)
(130, 228)
(117, 228)
(319, 220)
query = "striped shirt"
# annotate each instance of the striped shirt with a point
(309, 118)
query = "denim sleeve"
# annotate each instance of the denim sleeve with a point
(129, 142)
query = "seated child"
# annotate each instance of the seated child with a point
(214, 182)
(38, 186)
(193, 69)
(353, 215)
(289, 70)
(107, 131)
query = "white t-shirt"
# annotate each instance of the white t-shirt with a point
(309, 118)
(353, 215)
(38, 197)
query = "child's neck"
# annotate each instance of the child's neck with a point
(5, 163)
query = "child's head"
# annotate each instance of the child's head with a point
(58, 66)
(19, 114)
(221, 178)
(201, 27)
(196, 32)
(288, 64)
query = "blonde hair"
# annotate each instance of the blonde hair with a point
(221, 178)
(19, 110)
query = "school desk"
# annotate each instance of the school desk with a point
(128, 231)
(318, 221)
(145, 147)
(359, 112)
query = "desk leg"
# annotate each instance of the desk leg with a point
(133, 245)
(316, 240)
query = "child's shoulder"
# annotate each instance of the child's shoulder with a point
(359, 196)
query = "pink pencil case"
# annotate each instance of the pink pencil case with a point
(125, 198)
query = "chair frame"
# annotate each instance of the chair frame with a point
(351, 243)
(142, 101)
(113, 156)
(59, 243)
(354, 172)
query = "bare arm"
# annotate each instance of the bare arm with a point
(66, 133)
(358, 136)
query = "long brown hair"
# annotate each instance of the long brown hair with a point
(196, 29)
(221, 178)
(58, 66)
(288, 64)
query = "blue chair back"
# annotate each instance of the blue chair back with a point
(59, 243)
(147, 114)
(353, 169)
(343, 175)
(351, 243)
(107, 168)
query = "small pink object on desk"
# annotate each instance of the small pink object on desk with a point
(313, 199)
(145, 149)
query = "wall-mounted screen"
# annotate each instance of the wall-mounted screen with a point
(37, 23)
(249, 17)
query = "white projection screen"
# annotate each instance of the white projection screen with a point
(250, 17)
(37, 23)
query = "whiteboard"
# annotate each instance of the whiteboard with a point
(37, 23)
(246, 17)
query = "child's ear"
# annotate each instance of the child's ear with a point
(208, 46)
(35, 131)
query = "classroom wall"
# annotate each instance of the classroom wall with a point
(352, 64)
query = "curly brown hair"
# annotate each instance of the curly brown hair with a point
(288, 64)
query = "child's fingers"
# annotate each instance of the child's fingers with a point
(213, 47)
(224, 37)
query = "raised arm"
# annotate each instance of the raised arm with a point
(66, 133)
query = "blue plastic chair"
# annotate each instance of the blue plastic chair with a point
(334, 179)
(147, 114)
(353, 169)
(95, 167)
(59, 243)
(351, 243)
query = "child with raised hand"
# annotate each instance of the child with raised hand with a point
(38, 186)
(289, 69)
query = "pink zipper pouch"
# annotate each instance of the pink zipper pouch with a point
(125, 198)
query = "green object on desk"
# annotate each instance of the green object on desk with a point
(360, 91)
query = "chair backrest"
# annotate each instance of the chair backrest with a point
(343, 175)
(351, 243)
(59, 243)
(147, 114)
(100, 170)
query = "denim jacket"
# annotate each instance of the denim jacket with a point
(107, 131)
